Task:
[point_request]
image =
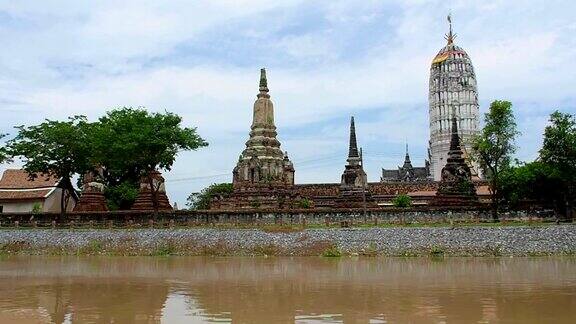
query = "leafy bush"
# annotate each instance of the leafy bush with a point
(402, 200)
(122, 195)
(201, 200)
(37, 208)
(305, 203)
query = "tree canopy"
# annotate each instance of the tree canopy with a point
(129, 143)
(494, 146)
(202, 199)
(58, 148)
(559, 153)
(4, 156)
(132, 141)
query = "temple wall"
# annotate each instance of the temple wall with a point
(133, 219)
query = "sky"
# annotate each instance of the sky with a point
(326, 61)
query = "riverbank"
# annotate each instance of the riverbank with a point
(521, 240)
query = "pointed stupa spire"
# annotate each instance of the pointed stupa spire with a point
(407, 156)
(455, 139)
(450, 36)
(263, 85)
(353, 147)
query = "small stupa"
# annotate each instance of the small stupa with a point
(92, 196)
(145, 201)
(456, 186)
(354, 182)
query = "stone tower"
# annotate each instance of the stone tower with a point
(354, 184)
(456, 186)
(452, 89)
(262, 161)
(354, 176)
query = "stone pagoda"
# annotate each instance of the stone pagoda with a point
(264, 175)
(452, 85)
(456, 186)
(92, 198)
(145, 201)
(354, 183)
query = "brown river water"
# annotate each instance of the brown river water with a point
(286, 290)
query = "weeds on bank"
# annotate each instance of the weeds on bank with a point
(370, 251)
(93, 247)
(14, 247)
(436, 251)
(266, 250)
(332, 252)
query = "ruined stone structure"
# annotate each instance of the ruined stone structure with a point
(456, 186)
(264, 175)
(354, 183)
(407, 172)
(262, 161)
(92, 198)
(452, 87)
(145, 201)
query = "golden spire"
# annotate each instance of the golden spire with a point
(450, 36)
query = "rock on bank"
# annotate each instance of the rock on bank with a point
(394, 241)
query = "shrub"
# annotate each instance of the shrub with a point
(201, 200)
(37, 208)
(402, 200)
(305, 203)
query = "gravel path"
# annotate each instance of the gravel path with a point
(400, 241)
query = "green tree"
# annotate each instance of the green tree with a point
(4, 157)
(58, 148)
(131, 143)
(201, 200)
(121, 196)
(559, 152)
(494, 146)
(531, 182)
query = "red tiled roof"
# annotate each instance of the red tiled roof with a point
(19, 179)
(23, 195)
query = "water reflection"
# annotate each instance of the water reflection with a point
(286, 290)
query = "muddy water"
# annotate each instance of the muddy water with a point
(287, 290)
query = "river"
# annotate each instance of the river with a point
(287, 290)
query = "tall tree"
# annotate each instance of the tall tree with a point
(559, 152)
(58, 148)
(131, 143)
(494, 146)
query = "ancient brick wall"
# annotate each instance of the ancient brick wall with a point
(137, 219)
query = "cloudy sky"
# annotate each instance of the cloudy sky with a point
(326, 60)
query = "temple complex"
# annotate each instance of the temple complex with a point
(452, 85)
(456, 186)
(92, 197)
(354, 182)
(407, 172)
(150, 185)
(264, 175)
